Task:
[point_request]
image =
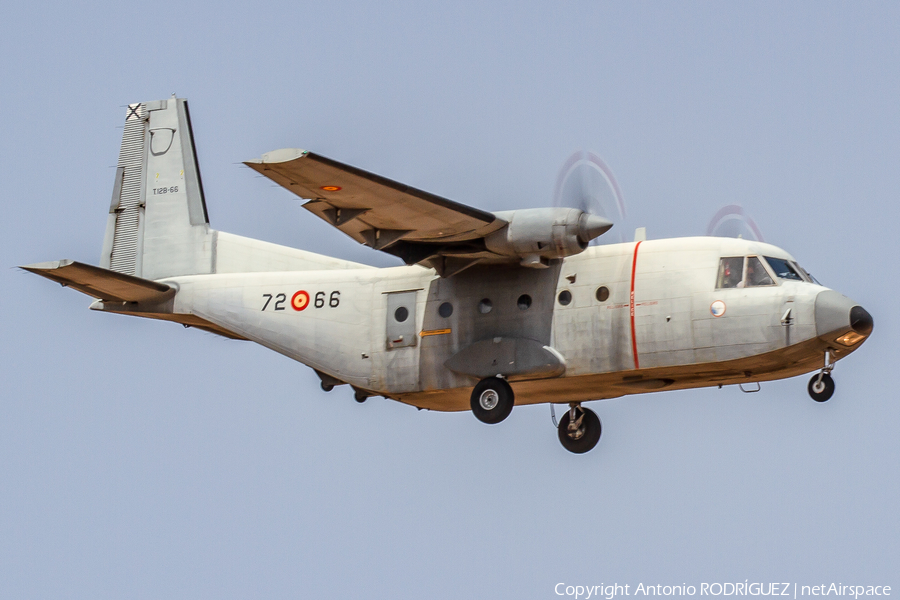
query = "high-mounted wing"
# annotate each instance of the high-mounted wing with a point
(419, 227)
(379, 212)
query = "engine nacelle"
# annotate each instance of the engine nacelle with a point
(538, 235)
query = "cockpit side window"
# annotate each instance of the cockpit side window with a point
(811, 277)
(731, 272)
(757, 274)
(784, 269)
(804, 273)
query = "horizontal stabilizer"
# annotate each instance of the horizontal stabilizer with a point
(100, 283)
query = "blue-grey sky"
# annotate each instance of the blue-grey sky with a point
(140, 460)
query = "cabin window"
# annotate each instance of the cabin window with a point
(602, 293)
(565, 297)
(731, 272)
(524, 302)
(784, 269)
(757, 274)
(401, 314)
(485, 306)
(445, 309)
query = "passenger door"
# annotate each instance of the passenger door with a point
(401, 320)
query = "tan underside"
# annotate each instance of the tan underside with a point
(788, 362)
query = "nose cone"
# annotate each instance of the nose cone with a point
(861, 321)
(836, 313)
(592, 226)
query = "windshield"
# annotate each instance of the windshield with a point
(785, 269)
(756, 273)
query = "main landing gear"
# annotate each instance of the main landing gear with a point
(821, 386)
(579, 429)
(492, 400)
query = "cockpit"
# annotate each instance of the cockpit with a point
(758, 271)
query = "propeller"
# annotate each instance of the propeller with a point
(586, 182)
(732, 221)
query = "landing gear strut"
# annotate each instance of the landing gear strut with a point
(579, 429)
(821, 386)
(492, 400)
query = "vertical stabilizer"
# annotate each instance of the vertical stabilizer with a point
(158, 225)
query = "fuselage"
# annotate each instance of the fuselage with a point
(620, 319)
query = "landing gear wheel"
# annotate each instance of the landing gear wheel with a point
(821, 390)
(492, 400)
(360, 396)
(581, 435)
(326, 387)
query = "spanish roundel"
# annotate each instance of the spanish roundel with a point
(300, 300)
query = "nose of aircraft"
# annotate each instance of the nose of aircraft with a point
(861, 321)
(836, 312)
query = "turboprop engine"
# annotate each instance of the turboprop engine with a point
(538, 235)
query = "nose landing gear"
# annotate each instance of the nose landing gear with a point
(579, 429)
(821, 386)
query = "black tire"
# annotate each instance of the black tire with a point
(492, 400)
(587, 435)
(823, 391)
(360, 396)
(326, 387)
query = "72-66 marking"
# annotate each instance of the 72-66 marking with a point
(300, 300)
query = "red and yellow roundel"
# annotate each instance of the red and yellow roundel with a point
(300, 300)
(331, 188)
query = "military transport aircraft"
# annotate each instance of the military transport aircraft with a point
(491, 310)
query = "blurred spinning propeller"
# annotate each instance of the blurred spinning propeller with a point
(732, 221)
(587, 183)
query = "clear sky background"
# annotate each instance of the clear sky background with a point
(141, 460)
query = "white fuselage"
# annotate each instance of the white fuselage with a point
(656, 329)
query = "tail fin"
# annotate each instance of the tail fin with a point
(158, 225)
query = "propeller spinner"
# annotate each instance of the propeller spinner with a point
(587, 183)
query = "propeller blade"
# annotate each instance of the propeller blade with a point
(587, 183)
(732, 221)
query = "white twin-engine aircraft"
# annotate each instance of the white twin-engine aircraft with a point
(491, 309)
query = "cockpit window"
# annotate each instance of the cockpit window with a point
(807, 275)
(785, 269)
(731, 272)
(756, 273)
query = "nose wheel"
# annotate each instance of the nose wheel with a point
(579, 429)
(821, 386)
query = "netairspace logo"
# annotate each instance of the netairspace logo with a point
(745, 588)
